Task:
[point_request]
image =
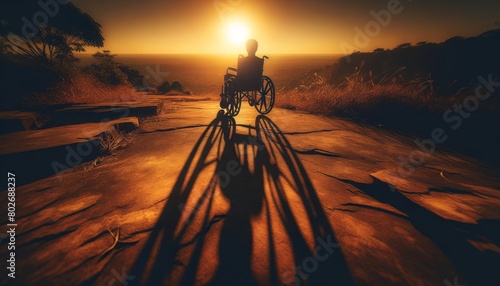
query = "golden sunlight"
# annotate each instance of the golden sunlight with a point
(237, 32)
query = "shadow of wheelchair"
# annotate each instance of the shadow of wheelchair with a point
(255, 175)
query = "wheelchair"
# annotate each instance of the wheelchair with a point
(247, 81)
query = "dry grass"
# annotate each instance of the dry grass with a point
(115, 140)
(361, 98)
(81, 88)
(112, 142)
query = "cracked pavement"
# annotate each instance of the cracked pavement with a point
(288, 198)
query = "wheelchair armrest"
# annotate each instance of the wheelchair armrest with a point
(231, 69)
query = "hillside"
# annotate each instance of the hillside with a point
(449, 66)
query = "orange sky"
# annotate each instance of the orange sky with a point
(283, 26)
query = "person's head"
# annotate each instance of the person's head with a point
(252, 47)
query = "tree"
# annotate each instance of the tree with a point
(404, 46)
(133, 76)
(106, 70)
(47, 31)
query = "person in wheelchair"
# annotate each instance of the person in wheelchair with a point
(248, 74)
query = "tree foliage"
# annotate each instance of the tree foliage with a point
(106, 70)
(47, 30)
(404, 46)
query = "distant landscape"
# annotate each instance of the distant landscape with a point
(250, 142)
(390, 88)
(203, 73)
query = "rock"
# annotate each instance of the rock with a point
(176, 86)
(15, 121)
(164, 87)
(41, 153)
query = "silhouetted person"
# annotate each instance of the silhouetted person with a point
(248, 73)
(250, 63)
(252, 45)
(250, 68)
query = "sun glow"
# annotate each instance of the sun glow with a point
(237, 33)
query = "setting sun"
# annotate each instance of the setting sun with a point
(237, 32)
(250, 142)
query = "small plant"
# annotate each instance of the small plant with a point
(115, 140)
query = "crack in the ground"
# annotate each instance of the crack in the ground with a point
(94, 238)
(375, 209)
(333, 177)
(316, 151)
(458, 191)
(33, 230)
(313, 151)
(42, 189)
(174, 128)
(48, 237)
(341, 209)
(42, 208)
(443, 191)
(309, 132)
(214, 220)
(131, 234)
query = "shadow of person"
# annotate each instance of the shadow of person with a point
(244, 190)
(254, 189)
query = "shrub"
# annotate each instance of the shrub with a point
(176, 86)
(106, 70)
(133, 76)
(164, 87)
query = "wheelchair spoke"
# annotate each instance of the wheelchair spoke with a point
(267, 88)
(265, 100)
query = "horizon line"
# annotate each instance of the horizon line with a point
(218, 54)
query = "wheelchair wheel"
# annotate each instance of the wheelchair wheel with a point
(233, 99)
(265, 96)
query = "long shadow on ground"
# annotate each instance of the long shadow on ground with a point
(257, 173)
